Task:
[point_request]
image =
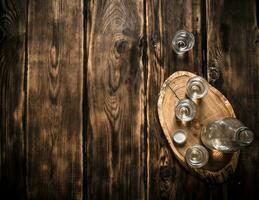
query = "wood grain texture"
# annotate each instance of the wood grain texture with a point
(115, 84)
(233, 67)
(212, 107)
(12, 62)
(167, 179)
(128, 55)
(54, 103)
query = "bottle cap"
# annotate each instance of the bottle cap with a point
(179, 137)
(245, 136)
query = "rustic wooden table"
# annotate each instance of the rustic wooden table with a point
(79, 82)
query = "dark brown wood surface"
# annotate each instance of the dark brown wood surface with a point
(12, 97)
(79, 83)
(54, 100)
(115, 85)
(233, 67)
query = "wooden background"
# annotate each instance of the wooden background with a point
(79, 82)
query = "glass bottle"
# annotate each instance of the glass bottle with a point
(185, 110)
(196, 156)
(226, 135)
(183, 41)
(196, 87)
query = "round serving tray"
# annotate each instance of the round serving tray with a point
(212, 107)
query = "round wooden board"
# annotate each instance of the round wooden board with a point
(212, 107)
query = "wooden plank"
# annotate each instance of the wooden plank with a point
(115, 83)
(166, 178)
(233, 67)
(54, 104)
(12, 62)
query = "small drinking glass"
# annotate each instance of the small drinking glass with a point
(183, 41)
(196, 87)
(196, 156)
(185, 110)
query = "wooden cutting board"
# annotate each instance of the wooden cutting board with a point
(212, 107)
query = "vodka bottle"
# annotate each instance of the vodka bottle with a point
(226, 135)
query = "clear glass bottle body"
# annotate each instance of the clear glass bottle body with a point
(226, 135)
(183, 41)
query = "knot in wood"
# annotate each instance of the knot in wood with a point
(120, 47)
(54, 56)
(155, 41)
(214, 73)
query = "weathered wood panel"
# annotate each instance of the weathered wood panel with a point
(233, 67)
(166, 178)
(115, 84)
(12, 62)
(54, 103)
(126, 154)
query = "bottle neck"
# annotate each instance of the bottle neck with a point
(244, 136)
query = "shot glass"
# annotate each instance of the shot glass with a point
(196, 156)
(185, 110)
(196, 87)
(183, 41)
